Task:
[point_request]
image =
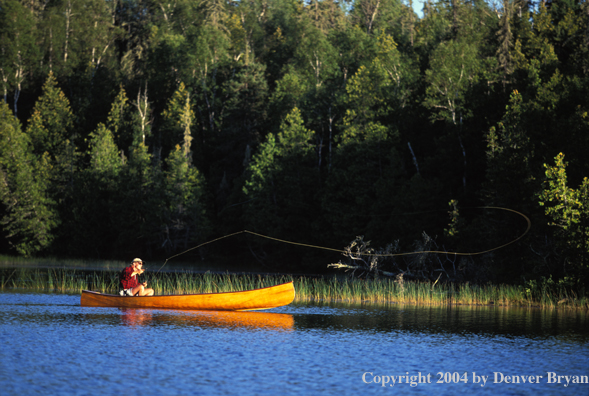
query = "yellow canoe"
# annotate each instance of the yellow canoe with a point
(265, 298)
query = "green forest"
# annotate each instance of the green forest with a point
(144, 128)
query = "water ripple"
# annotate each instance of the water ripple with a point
(51, 345)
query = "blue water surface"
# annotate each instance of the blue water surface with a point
(51, 345)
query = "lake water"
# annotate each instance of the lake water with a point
(51, 345)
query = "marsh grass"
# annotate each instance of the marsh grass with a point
(308, 289)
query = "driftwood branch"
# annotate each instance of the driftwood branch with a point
(364, 261)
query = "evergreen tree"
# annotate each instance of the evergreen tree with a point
(510, 159)
(138, 204)
(91, 227)
(281, 185)
(28, 216)
(186, 218)
(178, 121)
(104, 153)
(512, 175)
(366, 78)
(120, 121)
(52, 133)
(244, 119)
(505, 35)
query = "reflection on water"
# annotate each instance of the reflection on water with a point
(227, 319)
(528, 322)
(51, 345)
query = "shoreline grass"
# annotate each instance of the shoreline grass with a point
(325, 290)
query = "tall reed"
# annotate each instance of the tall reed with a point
(308, 289)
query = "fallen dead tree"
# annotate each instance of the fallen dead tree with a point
(364, 261)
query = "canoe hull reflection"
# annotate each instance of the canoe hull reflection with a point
(265, 298)
(209, 319)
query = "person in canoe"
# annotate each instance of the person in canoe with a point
(129, 283)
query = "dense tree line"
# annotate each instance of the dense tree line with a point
(147, 127)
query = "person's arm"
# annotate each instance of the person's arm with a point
(138, 271)
(125, 276)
